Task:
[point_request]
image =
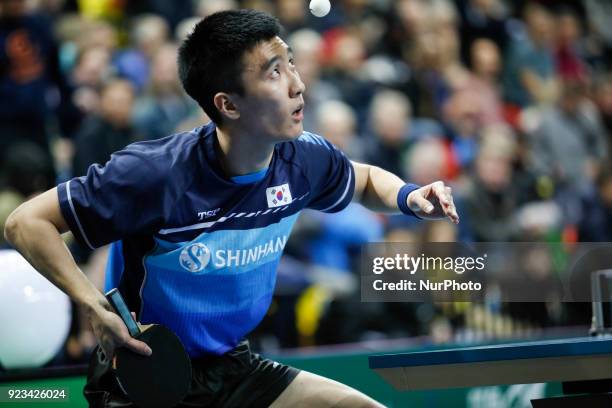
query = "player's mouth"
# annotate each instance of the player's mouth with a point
(298, 114)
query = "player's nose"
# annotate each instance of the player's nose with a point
(296, 87)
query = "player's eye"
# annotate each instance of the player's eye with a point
(275, 72)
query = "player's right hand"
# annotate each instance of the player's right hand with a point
(111, 333)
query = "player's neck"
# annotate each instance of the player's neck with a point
(241, 154)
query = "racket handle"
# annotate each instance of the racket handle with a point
(116, 300)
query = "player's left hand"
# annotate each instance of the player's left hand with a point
(433, 201)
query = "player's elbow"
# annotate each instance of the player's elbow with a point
(12, 226)
(35, 218)
(20, 223)
(362, 177)
(16, 225)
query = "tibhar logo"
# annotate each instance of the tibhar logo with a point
(278, 195)
(195, 257)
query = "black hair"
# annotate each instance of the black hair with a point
(27, 169)
(210, 59)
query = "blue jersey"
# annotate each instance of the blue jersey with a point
(193, 250)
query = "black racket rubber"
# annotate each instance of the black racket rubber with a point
(160, 380)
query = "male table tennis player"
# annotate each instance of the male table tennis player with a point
(198, 220)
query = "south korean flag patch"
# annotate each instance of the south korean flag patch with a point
(278, 196)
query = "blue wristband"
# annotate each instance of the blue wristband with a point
(402, 199)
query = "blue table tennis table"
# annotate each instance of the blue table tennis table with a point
(583, 365)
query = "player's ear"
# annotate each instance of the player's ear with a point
(226, 106)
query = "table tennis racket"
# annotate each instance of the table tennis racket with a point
(160, 380)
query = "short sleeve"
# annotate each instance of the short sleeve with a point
(122, 198)
(330, 173)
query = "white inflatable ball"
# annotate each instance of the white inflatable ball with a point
(34, 315)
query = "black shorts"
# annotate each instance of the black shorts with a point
(238, 378)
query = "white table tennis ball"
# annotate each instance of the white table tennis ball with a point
(319, 8)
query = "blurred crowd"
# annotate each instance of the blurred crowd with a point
(509, 102)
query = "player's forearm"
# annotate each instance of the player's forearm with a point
(378, 189)
(39, 241)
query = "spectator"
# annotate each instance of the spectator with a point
(92, 69)
(95, 46)
(26, 172)
(600, 34)
(68, 28)
(338, 123)
(292, 14)
(207, 7)
(568, 53)
(184, 28)
(98, 33)
(412, 14)
(427, 160)
(109, 130)
(171, 11)
(159, 111)
(347, 55)
(436, 60)
(596, 224)
(463, 118)
(29, 71)
(603, 100)
(530, 68)
(569, 145)
(149, 33)
(390, 113)
(481, 19)
(491, 199)
(486, 68)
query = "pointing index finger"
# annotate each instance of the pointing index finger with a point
(441, 192)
